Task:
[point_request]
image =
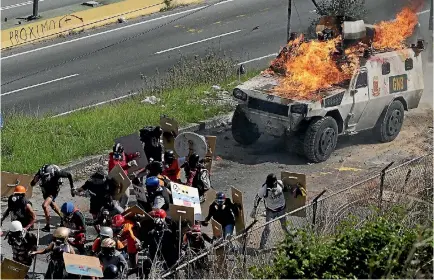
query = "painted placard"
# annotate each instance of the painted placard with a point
(187, 196)
(178, 212)
(170, 129)
(118, 174)
(209, 199)
(187, 143)
(9, 182)
(237, 198)
(132, 144)
(13, 270)
(82, 265)
(292, 181)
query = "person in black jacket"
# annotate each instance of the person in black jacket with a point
(20, 209)
(223, 211)
(50, 179)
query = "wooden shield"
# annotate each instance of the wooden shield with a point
(183, 213)
(9, 182)
(118, 174)
(170, 129)
(131, 145)
(209, 199)
(13, 270)
(82, 265)
(211, 142)
(134, 210)
(290, 181)
(237, 197)
(217, 229)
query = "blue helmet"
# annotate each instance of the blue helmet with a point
(152, 182)
(220, 198)
(67, 208)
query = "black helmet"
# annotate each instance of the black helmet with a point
(118, 148)
(169, 156)
(155, 168)
(158, 131)
(193, 160)
(271, 180)
(111, 272)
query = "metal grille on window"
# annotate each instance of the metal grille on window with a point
(408, 64)
(385, 68)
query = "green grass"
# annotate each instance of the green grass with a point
(29, 142)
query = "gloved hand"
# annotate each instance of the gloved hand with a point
(138, 245)
(132, 163)
(137, 154)
(253, 214)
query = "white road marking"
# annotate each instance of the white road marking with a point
(258, 58)
(423, 12)
(18, 5)
(108, 31)
(94, 105)
(200, 41)
(40, 84)
(223, 2)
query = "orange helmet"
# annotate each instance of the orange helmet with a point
(19, 189)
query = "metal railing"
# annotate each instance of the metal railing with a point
(409, 183)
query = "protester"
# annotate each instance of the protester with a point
(272, 193)
(20, 208)
(157, 196)
(105, 232)
(74, 220)
(172, 166)
(22, 242)
(223, 211)
(151, 138)
(124, 229)
(110, 256)
(197, 175)
(50, 180)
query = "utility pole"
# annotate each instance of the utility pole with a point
(288, 27)
(35, 9)
(431, 46)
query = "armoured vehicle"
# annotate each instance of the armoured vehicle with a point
(386, 84)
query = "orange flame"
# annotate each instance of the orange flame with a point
(392, 34)
(308, 67)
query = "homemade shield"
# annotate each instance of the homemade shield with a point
(118, 174)
(217, 229)
(134, 210)
(170, 129)
(295, 192)
(187, 143)
(187, 196)
(237, 197)
(211, 142)
(82, 265)
(209, 199)
(131, 145)
(13, 270)
(10, 180)
(181, 213)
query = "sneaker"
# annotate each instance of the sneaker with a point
(47, 228)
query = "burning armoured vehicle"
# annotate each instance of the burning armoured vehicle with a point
(371, 93)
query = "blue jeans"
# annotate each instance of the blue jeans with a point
(228, 230)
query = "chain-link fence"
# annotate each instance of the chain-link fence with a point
(409, 184)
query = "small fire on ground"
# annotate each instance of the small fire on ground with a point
(307, 68)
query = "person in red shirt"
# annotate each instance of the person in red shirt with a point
(118, 156)
(124, 228)
(172, 166)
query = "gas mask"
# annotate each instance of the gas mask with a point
(58, 241)
(108, 251)
(159, 223)
(45, 178)
(16, 238)
(220, 202)
(117, 156)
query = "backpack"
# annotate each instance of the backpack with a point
(201, 179)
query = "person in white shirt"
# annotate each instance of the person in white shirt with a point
(272, 194)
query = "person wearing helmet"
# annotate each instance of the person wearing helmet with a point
(162, 239)
(157, 196)
(151, 139)
(74, 220)
(110, 256)
(172, 166)
(223, 211)
(197, 175)
(104, 233)
(20, 208)
(195, 239)
(22, 242)
(58, 246)
(125, 231)
(50, 179)
(102, 190)
(272, 194)
(111, 272)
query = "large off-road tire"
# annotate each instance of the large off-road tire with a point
(320, 139)
(243, 131)
(390, 122)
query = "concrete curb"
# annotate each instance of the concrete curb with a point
(217, 121)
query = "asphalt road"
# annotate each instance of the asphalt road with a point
(22, 8)
(69, 73)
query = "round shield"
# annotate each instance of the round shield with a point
(189, 141)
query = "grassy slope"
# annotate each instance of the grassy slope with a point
(29, 142)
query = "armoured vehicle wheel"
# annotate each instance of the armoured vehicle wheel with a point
(320, 139)
(390, 123)
(243, 131)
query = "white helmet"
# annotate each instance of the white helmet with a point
(16, 226)
(106, 232)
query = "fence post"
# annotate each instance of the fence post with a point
(315, 206)
(383, 174)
